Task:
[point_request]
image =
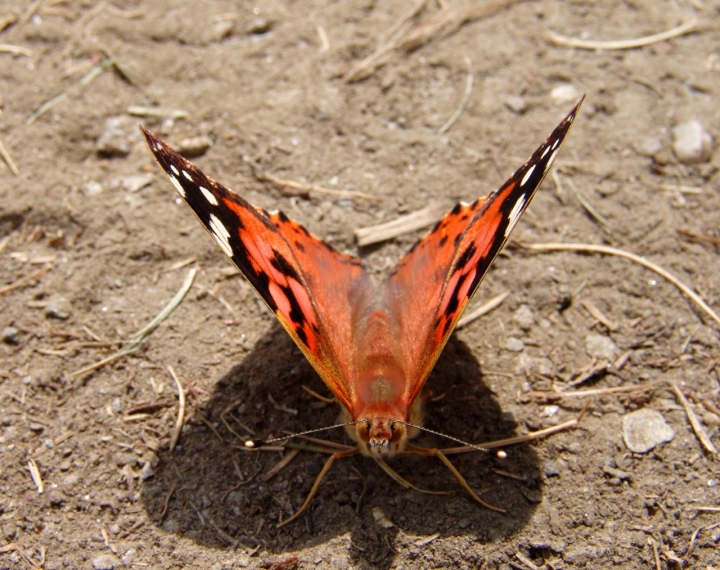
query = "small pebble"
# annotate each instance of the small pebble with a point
(645, 429)
(565, 93)
(516, 104)
(10, 335)
(193, 147)
(259, 26)
(601, 346)
(219, 31)
(524, 317)
(118, 137)
(58, 308)
(128, 558)
(691, 142)
(514, 344)
(136, 182)
(92, 188)
(551, 469)
(648, 146)
(105, 562)
(147, 471)
(381, 519)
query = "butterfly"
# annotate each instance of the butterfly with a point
(373, 345)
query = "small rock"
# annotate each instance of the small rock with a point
(193, 147)
(516, 104)
(514, 344)
(381, 519)
(648, 146)
(601, 346)
(128, 558)
(524, 317)
(118, 137)
(259, 26)
(533, 364)
(92, 188)
(136, 182)
(10, 335)
(550, 468)
(147, 471)
(565, 93)
(645, 429)
(58, 308)
(219, 31)
(105, 562)
(691, 142)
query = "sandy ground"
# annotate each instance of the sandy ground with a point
(95, 239)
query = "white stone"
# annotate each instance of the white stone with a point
(691, 142)
(645, 429)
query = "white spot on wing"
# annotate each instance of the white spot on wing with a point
(175, 170)
(186, 175)
(221, 235)
(528, 174)
(209, 196)
(178, 186)
(552, 159)
(515, 215)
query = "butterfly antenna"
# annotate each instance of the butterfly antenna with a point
(455, 439)
(253, 443)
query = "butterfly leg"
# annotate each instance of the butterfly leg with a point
(334, 457)
(441, 456)
(404, 482)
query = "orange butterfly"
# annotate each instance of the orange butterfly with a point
(374, 347)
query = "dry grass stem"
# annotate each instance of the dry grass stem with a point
(24, 281)
(180, 264)
(405, 39)
(607, 250)
(427, 540)
(695, 422)
(553, 396)
(318, 396)
(593, 213)
(526, 561)
(36, 477)
(159, 112)
(7, 21)
(404, 224)
(483, 309)
(599, 316)
(280, 465)
(13, 546)
(15, 50)
(181, 409)
(466, 98)
(140, 336)
(404, 482)
(565, 41)
(324, 42)
(594, 370)
(280, 183)
(26, 17)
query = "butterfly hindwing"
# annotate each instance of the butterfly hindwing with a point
(433, 283)
(303, 280)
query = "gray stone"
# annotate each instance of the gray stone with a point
(136, 182)
(645, 429)
(601, 346)
(10, 335)
(105, 562)
(58, 308)
(524, 317)
(514, 344)
(118, 137)
(691, 142)
(565, 93)
(648, 146)
(92, 188)
(516, 104)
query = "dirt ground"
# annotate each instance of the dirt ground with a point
(97, 243)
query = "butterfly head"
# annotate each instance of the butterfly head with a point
(381, 437)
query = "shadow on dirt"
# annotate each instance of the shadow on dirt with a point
(197, 491)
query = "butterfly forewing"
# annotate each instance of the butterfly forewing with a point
(304, 281)
(433, 284)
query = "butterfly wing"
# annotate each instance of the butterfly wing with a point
(433, 283)
(305, 282)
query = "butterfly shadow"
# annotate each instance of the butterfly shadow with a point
(213, 491)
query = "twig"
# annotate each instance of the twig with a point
(324, 42)
(552, 396)
(442, 24)
(36, 477)
(314, 187)
(26, 17)
(181, 409)
(466, 98)
(17, 50)
(16, 547)
(24, 281)
(280, 465)
(139, 337)
(483, 309)
(589, 248)
(526, 561)
(594, 214)
(160, 112)
(399, 226)
(687, 27)
(694, 422)
(598, 315)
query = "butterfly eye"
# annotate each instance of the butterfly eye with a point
(363, 431)
(398, 431)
